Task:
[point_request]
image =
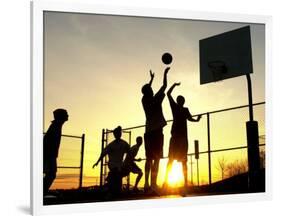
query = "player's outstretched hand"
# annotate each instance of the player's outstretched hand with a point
(95, 165)
(167, 70)
(151, 74)
(177, 84)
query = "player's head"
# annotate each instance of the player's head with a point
(139, 140)
(60, 115)
(117, 132)
(147, 90)
(180, 100)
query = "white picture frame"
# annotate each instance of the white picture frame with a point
(37, 9)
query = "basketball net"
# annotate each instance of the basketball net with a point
(218, 69)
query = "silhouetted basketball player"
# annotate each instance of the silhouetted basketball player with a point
(115, 151)
(51, 144)
(129, 164)
(179, 140)
(155, 121)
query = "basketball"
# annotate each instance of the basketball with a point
(167, 58)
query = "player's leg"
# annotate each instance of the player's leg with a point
(48, 180)
(158, 141)
(50, 174)
(140, 174)
(46, 168)
(138, 171)
(168, 169)
(171, 156)
(154, 172)
(148, 163)
(114, 181)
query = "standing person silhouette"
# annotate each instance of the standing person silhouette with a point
(179, 140)
(129, 164)
(51, 144)
(155, 121)
(115, 151)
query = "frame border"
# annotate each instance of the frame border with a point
(36, 95)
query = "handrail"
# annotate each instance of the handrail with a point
(212, 151)
(212, 112)
(70, 136)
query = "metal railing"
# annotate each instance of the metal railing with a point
(81, 164)
(209, 150)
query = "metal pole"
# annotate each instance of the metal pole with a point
(105, 159)
(196, 153)
(197, 173)
(250, 98)
(253, 143)
(209, 148)
(81, 161)
(191, 170)
(101, 164)
(128, 178)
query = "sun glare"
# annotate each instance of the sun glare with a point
(175, 176)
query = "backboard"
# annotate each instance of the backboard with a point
(225, 55)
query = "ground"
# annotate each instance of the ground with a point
(235, 185)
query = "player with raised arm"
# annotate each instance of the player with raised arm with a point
(155, 121)
(178, 148)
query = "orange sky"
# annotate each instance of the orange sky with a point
(96, 65)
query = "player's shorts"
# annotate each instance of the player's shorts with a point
(153, 143)
(132, 168)
(178, 148)
(114, 180)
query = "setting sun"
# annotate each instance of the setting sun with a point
(175, 176)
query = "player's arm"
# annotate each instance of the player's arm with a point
(169, 94)
(135, 152)
(104, 152)
(164, 86)
(190, 118)
(151, 77)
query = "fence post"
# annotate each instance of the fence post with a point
(81, 160)
(209, 148)
(191, 170)
(101, 164)
(196, 153)
(128, 178)
(252, 129)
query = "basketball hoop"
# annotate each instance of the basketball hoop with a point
(218, 69)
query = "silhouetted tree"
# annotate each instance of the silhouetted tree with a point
(222, 166)
(237, 167)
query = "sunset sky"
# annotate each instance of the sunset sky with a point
(95, 66)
